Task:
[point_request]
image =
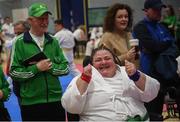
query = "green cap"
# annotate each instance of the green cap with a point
(38, 9)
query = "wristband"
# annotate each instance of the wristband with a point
(86, 78)
(135, 77)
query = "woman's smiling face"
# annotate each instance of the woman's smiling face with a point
(121, 19)
(103, 61)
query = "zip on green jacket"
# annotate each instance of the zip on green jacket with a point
(37, 86)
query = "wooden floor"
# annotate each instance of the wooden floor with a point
(79, 60)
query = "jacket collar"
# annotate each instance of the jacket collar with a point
(27, 37)
(146, 19)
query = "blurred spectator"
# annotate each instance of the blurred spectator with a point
(80, 40)
(7, 29)
(80, 33)
(157, 47)
(95, 37)
(89, 48)
(169, 19)
(66, 41)
(19, 28)
(99, 36)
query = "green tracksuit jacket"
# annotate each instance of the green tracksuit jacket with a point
(4, 86)
(36, 86)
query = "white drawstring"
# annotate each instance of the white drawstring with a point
(115, 103)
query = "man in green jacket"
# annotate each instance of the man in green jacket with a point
(40, 89)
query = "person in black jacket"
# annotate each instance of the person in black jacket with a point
(154, 41)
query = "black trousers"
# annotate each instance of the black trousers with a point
(4, 114)
(43, 112)
(155, 107)
(73, 117)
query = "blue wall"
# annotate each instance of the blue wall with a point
(72, 13)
